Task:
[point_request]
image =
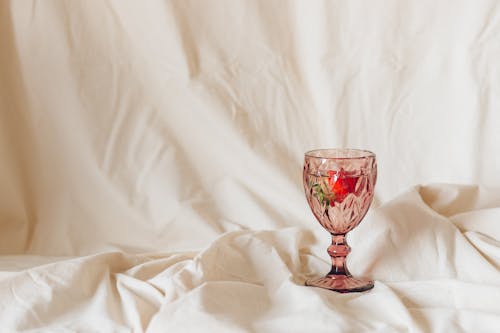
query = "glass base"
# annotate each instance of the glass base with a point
(341, 283)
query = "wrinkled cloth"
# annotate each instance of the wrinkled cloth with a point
(151, 160)
(433, 251)
(126, 125)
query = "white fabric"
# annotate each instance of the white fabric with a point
(151, 156)
(434, 252)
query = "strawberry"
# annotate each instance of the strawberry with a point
(341, 185)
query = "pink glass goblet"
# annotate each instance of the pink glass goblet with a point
(339, 186)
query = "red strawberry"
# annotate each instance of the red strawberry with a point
(341, 185)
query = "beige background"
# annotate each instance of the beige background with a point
(151, 159)
(127, 124)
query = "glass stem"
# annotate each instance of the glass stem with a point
(338, 252)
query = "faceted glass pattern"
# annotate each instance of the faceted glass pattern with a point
(339, 186)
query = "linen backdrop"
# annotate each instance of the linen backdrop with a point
(122, 120)
(158, 126)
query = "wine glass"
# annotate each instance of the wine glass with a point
(339, 186)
